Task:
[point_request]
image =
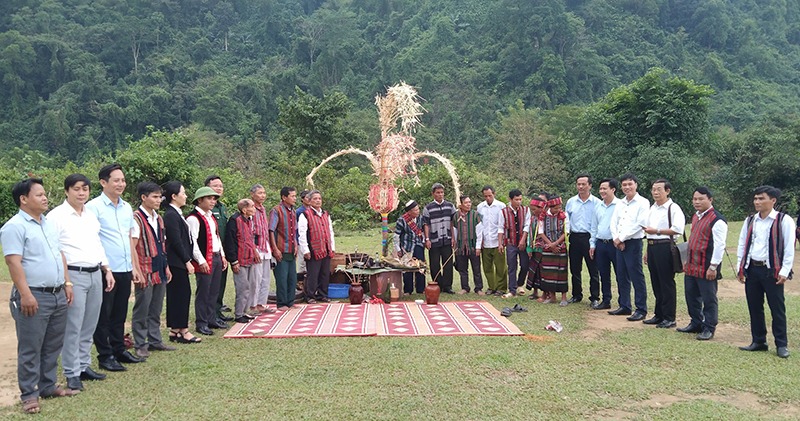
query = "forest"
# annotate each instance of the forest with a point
(519, 93)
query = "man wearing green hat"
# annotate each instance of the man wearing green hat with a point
(208, 259)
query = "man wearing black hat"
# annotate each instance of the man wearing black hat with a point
(409, 238)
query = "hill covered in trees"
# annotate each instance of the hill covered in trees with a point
(82, 79)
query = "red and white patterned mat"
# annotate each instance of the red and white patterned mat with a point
(396, 319)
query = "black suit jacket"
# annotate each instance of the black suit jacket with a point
(179, 244)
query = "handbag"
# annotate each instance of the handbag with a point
(679, 251)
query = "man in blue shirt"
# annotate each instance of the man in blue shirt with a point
(580, 210)
(117, 229)
(601, 242)
(40, 294)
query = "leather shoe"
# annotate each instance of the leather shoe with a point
(620, 312)
(161, 347)
(74, 383)
(90, 374)
(574, 300)
(205, 331)
(224, 318)
(755, 346)
(690, 328)
(127, 357)
(111, 364)
(142, 353)
(635, 317)
(653, 320)
(243, 319)
(666, 324)
(705, 335)
(783, 352)
(218, 324)
(602, 306)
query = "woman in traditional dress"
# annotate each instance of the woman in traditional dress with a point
(408, 238)
(537, 207)
(552, 239)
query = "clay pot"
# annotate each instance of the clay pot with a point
(432, 292)
(356, 293)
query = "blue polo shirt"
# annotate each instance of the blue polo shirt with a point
(580, 213)
(116, 225)
(38, 245)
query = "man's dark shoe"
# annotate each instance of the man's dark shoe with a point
(755, 346)
(242, 319)
(602, 306)
(635, 317)
(705, 335)
(127, 357)
(620, 312)
(161, 347)
(111, 364)
(225, 309)
(205, 331)
(594, 303)
(90, 374)
(666, 324)
(224, 318)
(219, 324)
(449, 291)
(574, 300)
(653, 321)
(783, 352)
(690, 328)
(74, 383)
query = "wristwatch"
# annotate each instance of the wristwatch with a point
(713, 267)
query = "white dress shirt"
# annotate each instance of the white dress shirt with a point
(492, 220)
(152, 219)
(629, 217)
(302, 231)
(720, 233)
(759, 249)
(194, 232)
(658, 218)
(79, 235)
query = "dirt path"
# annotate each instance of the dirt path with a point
(9, 392)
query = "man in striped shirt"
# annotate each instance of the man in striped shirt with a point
(436, 219)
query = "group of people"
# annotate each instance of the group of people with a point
(536, 248)
(73, 270)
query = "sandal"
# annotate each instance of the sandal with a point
(506, 312)
(60, 392)
(518, 308)
(31, 406)
(182, 339)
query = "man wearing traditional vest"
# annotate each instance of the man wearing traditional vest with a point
(283, 240)
(221, 215)
(259, 297)
(601, 244)
(241, 249)
(701, 269)
(436, 218)
(515, 221)
(489, 246)
(664, 223)
(580, 209)
(317, 245)
(149, 240)
(765, 257)
(208, 259)
(467, 228)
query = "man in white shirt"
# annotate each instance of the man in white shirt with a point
(490, 245)
(665, 221)
(627, 221)
(87, 264)
(701, 268)
(765, 257)
(318, 245)
(208, 259)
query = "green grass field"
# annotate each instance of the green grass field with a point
(627, 373)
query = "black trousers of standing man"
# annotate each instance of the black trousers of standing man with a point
(579, 253)
(109, 335)
(662, 277)
(439, 256)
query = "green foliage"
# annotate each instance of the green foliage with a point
(159, 157)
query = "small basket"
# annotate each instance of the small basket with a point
(338, 290)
